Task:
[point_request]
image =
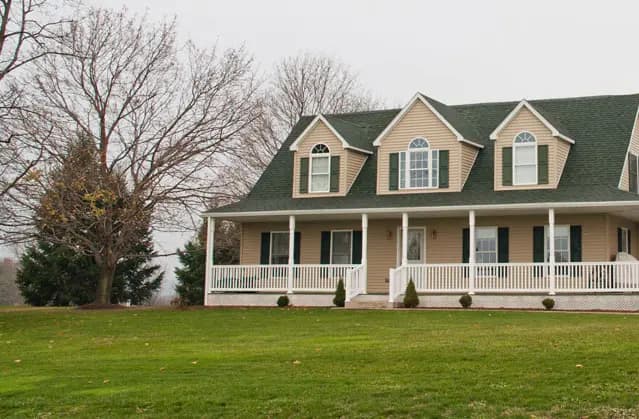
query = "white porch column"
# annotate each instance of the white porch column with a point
(551, 249)
(365, 250)
(471, 252)
(404, 239)
(291, 253)
(210, 254)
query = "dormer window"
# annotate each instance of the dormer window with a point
(320, 171)
(419, 166)
(525, 159)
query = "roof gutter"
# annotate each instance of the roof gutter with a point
(448, 208)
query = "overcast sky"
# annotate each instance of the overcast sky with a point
(454, 51)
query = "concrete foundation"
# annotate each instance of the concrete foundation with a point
(268, 299)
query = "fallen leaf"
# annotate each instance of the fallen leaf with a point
(106, 381)
(194, 362)
(162, 369)
(579, 366)
(296, 362)
(146, 343)
(17, 361)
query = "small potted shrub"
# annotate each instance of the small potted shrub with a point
(411, 300)
(548, 303)
(340, 294)
(283, 301)
(466, 300)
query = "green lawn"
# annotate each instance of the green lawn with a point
(283, 363)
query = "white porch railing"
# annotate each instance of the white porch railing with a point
(576, 277)
(275, 278)
(355, 283)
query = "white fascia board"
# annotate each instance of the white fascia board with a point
(484, 207)
(319, 118)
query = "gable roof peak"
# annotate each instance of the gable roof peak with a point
(447, 115)
(554, 127)
(321, 118)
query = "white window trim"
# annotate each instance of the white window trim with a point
(547, 243)
(399, 245)
(313, 156)
(331, 245)
(270, 249)
(624, 239)
(522, 145)
(407, 169)
(496, 230)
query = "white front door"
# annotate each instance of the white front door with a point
(416, 245)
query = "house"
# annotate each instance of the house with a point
(509, 201)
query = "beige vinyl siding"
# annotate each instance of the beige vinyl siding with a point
(320, 134)
(557, 154)
(443, 240)
(634, 149)
(419, 121)
(563, 149)
(469, 154)
(354, 162)
(615, 222)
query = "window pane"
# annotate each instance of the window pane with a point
(279, 248)
(562, 243)
(320, 165)
(341, 247)
(525, 174)
(525, 155)
(320, 183)
(486, 245)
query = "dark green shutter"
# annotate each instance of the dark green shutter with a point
(335, 174)
(325, 248)
(507, 166)
(542, 165)
(393, 171)
(304, 175)
(297, 243)
(443, 168)
(502, 245)
(539, 249)
(465, 245)
(632, 172)
(357, 247)
(575, 243)
(619, 239)
(629, 242)
(265, 249)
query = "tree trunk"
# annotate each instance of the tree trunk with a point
(105, 283)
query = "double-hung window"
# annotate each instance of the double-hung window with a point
(525, 159)
(320, 171)
(562, 243)
(419, 166)
(341, 247)
(486, 244)
(279, 247)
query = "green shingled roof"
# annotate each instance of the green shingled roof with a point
(601, 127)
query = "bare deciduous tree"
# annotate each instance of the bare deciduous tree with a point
(27, 28)
(161, 116)
(306, 84)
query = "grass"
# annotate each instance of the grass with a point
(329, 363)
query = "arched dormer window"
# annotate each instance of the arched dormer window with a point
(422, 170)
(320, 170)
(525, 159)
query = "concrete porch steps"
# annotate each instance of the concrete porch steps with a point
(372, 301)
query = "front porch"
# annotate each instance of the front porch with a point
(529, 253)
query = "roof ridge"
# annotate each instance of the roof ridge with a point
(359, 112)
(554, 99)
